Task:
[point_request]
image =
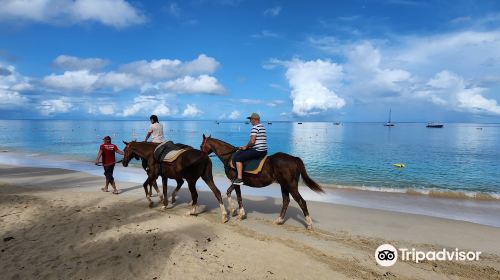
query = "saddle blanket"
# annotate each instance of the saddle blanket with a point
(169, 152)
(253, 166)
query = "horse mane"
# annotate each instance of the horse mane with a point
(222, 141)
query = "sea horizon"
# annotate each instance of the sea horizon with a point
(264, 121)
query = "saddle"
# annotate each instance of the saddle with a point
(169, 152)
(253, 166)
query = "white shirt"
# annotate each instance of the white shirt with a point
(156, 130)
(260, 137)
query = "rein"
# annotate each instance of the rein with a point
(101, 164)
(225, 154)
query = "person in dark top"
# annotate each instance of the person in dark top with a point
(107, 151)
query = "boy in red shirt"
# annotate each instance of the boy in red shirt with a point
(107, 151)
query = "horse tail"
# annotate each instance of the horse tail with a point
(309, 182)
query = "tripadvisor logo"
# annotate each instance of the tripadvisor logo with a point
(387, 255)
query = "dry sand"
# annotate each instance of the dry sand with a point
(64, 228)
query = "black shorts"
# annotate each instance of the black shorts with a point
(108, 173)
(249, 154)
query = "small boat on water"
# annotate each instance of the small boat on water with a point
(247, 122)
(269, 123)
(217, 122)
(299, 123)
(434, 125)
(336, 123)
(389, 123)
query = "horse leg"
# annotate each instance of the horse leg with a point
(164, 182)
(303, 205)
(148, 196)
(241, 213)
(194, 196)
(146, 168)
(208, 178)
(174, 193)
(232, 210)
(155, 185)
(286, 200)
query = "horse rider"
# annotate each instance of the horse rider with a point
(155, 131)
(256, 147)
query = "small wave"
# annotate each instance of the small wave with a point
(458, 194)
(33, 155)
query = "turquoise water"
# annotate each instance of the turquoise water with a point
(458, 157)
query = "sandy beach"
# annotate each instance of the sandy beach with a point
(57, 224)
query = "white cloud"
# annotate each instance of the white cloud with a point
(168, 69)
(117, 81)
(148, 104)
(162, 109)
(191, 111)
(11, 99)
(188, 84)
(174, 9)
(23, 86)
(265, 34)
(410, 68)
(272, 12)
(12, 84)
(449, 89)
(53, 106)
(116, 13)
(234, 115)
(107, 109)
(99, 107)
(270, 103)
(367, 75)
(312, 84)
(66, 62)
(81, 80)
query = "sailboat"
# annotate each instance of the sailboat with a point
(389, 123)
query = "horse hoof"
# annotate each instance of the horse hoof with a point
(309, 227)
(173, 200)
(225, 219)
(151, 204)
(242, 217)
(279, 221)
(164, 208)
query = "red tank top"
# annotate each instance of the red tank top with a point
(108, 153)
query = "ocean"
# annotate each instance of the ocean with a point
(460, 158)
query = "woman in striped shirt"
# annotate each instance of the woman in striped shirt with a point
(255, 149)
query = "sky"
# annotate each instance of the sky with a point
(224, 59)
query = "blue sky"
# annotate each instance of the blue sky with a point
(223, 59)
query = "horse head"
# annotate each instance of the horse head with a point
(205, 146)
(128, 154)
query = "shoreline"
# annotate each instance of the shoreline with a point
(25, 158)
(59, 219)
(455, 207)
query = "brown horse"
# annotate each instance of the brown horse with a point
(280, 167)
(190, 165)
